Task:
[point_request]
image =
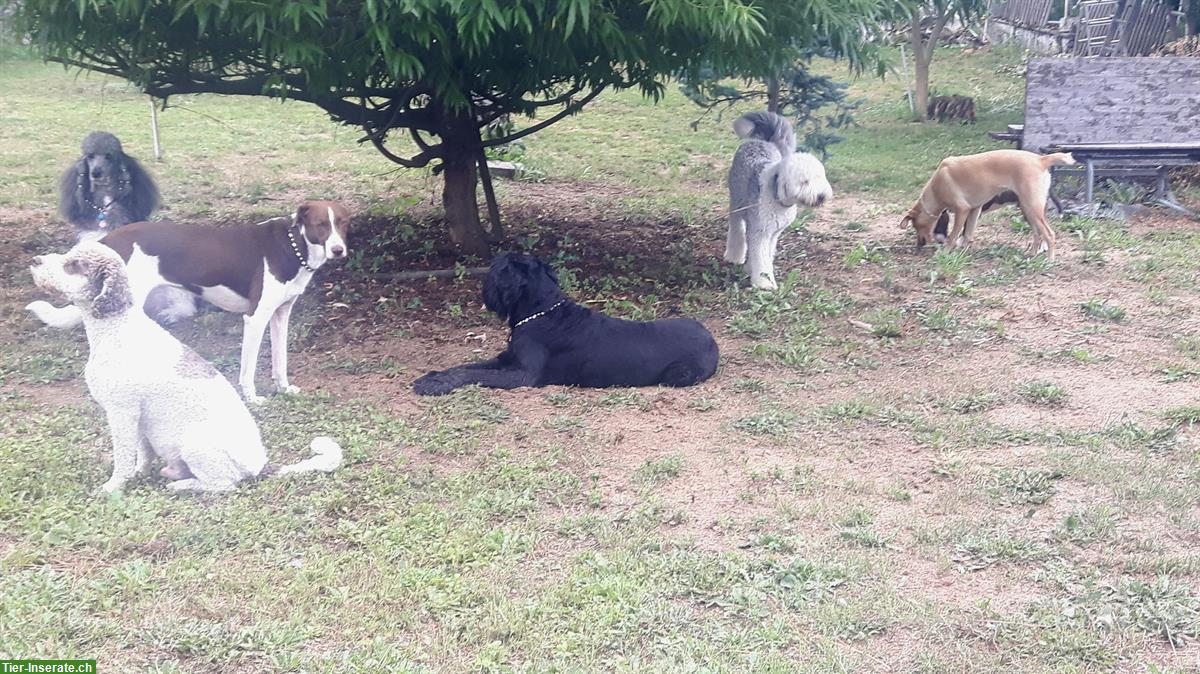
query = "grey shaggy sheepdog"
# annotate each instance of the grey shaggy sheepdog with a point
(768, 181)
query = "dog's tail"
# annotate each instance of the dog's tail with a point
(769, 127)
(1056, 159)
(62, 318)
(327, 456)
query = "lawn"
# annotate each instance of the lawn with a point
(908, 461)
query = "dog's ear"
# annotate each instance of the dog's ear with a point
(302, 213)
(546, 269)
(504, 284)
(906, 221)
(143, 197)
(73, 188)
(109, 287)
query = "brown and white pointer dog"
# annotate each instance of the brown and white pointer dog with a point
(258, 270)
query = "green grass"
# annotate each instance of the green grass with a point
(848, 493)
(1043, 393)
(1102, 310)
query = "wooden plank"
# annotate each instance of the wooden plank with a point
(1133, 100)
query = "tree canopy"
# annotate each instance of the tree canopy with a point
(435, 70)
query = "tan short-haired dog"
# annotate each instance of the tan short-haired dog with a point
(963, 185)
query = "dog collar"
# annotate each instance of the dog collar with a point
(296, 250)
(539, 314)
(101, 212)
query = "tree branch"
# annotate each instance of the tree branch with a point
(418, 161)
(569, 110)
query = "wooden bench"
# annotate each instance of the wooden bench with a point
(1120, 117)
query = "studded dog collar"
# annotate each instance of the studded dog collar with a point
(296, 250)
(539, 314)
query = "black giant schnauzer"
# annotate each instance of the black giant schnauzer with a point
(556, 341)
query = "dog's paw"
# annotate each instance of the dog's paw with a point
(764, 282)
(433, 384)
(252, 398)
(111, 488)
(289, 389)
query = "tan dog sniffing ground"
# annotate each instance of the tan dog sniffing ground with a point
(965, 185)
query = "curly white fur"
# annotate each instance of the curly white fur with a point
(767, 182)
(159, 396)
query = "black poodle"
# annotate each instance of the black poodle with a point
(555, 341)
(105, 188)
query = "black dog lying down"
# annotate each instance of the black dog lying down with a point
(555, 341)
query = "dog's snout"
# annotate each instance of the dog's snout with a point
(37, 261)
(820, 199)
(97, 172)
(337, 251)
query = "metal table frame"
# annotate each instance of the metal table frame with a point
(1151, 158)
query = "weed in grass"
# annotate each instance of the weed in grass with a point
(654, 472)
(939, 319)
(1043, 393)
(703, 404)
(946, 464)
(776, 424)
(388, 366)
(757, 313)
(1080, 355)
(962, 289)
(562, 423)
(1188, 345)
(37, 366)
(884, 322)
(1177, 372)
(856, 527)
(948, 265)
(1012, 264)
(1163, 608)
(865, 252)
(1129, 435)
(895, 417)
(558, 399)
(750, 385)
(470, 403)
(978, 549)
(847, 410)
(1050, 639)
(854, 226)
(1023, 486)
(796, 354)
(624, 398)
(1186, 415)
(1102, 310)
(972, 402)
(1089, 526)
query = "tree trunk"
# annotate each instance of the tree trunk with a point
(462, 210)
(921, 71)
(461, 151)
(773, 94)
(923, 53)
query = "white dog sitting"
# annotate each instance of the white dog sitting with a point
(767, 181)
(160, 397)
